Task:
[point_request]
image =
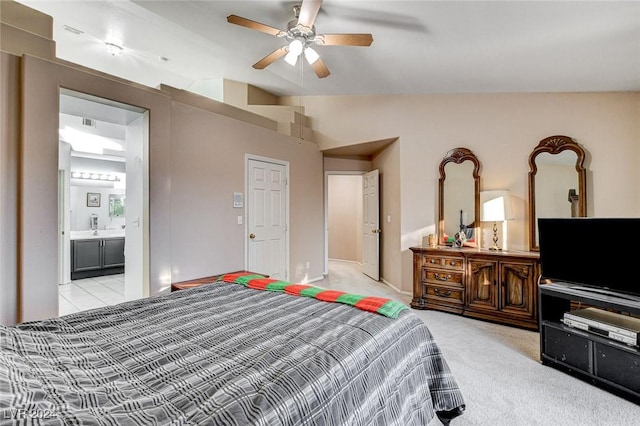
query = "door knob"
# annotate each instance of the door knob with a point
(376, 231)
(252, 236)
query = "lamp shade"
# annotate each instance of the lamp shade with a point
(496, 206)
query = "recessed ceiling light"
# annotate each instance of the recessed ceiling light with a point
(72, 30)
(114, 49)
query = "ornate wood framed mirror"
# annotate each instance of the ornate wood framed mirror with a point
(459, 196)
(557, 182)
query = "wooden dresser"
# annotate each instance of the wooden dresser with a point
(498, 286)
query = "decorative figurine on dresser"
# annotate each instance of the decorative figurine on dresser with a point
(493, 285)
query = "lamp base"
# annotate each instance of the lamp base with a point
(495, 245)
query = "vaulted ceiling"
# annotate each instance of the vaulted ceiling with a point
(418, 47)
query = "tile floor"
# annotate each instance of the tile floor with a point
(90, 293)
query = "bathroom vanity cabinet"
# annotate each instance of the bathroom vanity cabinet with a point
(96, 256)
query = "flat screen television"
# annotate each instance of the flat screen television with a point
(599, 254)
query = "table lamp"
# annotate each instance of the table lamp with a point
(496, 207)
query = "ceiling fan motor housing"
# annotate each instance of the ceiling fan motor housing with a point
(299, 32)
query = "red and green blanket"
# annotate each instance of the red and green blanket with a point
(387, 307)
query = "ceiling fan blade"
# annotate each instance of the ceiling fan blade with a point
(270, 58)
(320, 68)
(345, 39)
(308, 12)
(244, 22)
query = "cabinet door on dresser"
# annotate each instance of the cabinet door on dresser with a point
(482, 285)
(518, 286)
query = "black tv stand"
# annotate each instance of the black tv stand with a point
(604, 362)
(605, 292)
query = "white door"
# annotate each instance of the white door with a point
(136, 247)
(62, 230)
(371, 225)
(267, 248)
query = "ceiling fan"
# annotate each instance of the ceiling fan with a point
(301, 35)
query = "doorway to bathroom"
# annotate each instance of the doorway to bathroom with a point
(102, 200)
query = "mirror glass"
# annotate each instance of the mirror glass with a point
(557, 182)
(459, 194)
(458, 197)
(116, 205)
(557, 185)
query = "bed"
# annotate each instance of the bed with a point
(226, 354)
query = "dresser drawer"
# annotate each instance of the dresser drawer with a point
(453, 263)
(444, 294)
(441, 276)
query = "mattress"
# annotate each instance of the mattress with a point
(224, 354)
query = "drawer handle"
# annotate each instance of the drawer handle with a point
(442, 278)
(442, 293)
(432, 261)
(452, 263)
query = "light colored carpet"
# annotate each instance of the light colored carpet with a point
(498, 368)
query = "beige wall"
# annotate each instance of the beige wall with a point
(344, 211)
(388, 163)
(41, 83)
(336, 164)
(196, 163)
(502, 130)
(208, 166)
(9, 146)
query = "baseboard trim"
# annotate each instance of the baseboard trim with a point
(313, 280)
(396, 289)
(345, 261)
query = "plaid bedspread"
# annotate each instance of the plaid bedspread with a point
(222, 354)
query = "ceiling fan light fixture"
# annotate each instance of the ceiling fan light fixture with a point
(311, 55)
(296, 47)
(291, 59)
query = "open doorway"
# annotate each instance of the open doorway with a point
(344, 216)
(102, 196)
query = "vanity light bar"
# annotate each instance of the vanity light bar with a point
(94, 176)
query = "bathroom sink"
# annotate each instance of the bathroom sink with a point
(102, 233)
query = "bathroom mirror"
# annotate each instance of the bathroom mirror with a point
(116, 205)
(557, 182)
(459, 196)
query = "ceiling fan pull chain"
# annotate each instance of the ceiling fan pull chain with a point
(301, 106)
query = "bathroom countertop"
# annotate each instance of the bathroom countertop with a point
(102, 233)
